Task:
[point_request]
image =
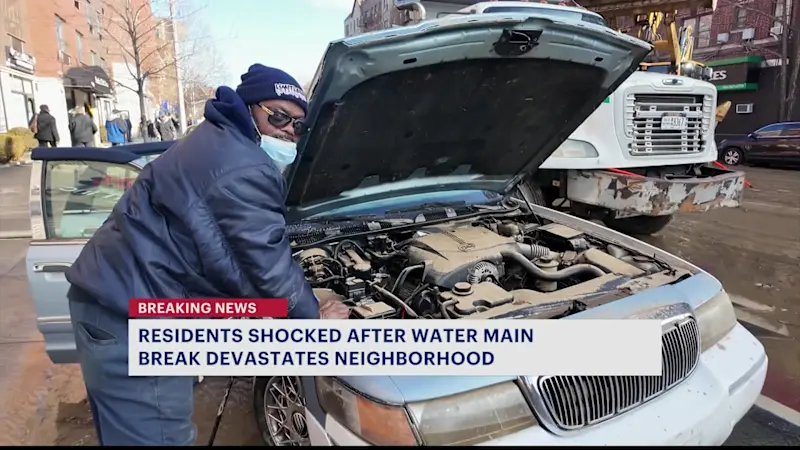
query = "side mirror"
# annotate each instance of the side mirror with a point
(753, 136)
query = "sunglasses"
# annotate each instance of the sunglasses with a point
(280, 119)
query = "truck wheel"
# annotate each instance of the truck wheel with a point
(533, 193)
(731, 156)
(638, 225)
(279, 407)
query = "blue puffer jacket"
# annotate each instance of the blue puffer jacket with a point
(114, 133)
(205, 219)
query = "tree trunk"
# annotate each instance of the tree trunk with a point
(143, 119)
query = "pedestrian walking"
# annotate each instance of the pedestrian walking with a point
(82, 128)
(152, 133)
(114, 132)
(129, 127)
(46, 131)
(166, 128)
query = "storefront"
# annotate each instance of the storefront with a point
(736, 74)
(89, 86)
(751, 90)
(17, 96)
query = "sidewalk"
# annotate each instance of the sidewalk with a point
(25, 160)
(14, 199)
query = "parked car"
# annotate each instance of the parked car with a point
(410, 199)
(776, 143)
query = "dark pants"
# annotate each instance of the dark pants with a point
(44, 143)
(127, 410)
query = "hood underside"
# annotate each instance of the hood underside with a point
(489, 98)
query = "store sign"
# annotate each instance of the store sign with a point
(719, 75)
(101, 82)
(735, 74)
(20, 61)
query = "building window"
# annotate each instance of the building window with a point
(17, 44)
(704, 31)
(741, 18)
(77, 4)
(79, 46)
(93, 58)
(779, 13)
(62, 44)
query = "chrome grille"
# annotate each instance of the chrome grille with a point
(643, 123)
(575, 402)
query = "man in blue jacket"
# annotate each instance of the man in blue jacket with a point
(205, 219)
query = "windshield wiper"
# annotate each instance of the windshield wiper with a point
(367, 218)
(431, 205)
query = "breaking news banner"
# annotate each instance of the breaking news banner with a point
(186, 338)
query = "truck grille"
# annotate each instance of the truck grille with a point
(644, 115)
(575, 402)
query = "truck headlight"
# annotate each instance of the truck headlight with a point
(715, 318)
(572, 148)
(472, 417)
(374, 422)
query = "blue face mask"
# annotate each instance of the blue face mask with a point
(282, 152)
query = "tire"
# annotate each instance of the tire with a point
(534, 193)
(731, 156)
(639, 225)
(290, 412)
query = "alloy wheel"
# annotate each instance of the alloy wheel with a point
(284, 409)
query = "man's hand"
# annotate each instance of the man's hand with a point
(330, 305)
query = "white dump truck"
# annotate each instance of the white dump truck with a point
(643, 156)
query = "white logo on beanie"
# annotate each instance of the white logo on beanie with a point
(282, 89)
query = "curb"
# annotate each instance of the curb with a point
(762, 323)
(20, 234)
(779, 410)
(25, 162)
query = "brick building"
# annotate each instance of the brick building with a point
(17, 72)
(742, 41)
(65, 53)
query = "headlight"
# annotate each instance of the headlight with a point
(572, 148)
(715, 318)
(374, 422)
(472, 417)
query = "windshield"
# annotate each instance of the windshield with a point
(575, 15)
(414, 202)
(657, 69)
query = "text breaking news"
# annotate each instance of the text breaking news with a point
(185, 338)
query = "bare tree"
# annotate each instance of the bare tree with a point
(135, 31)
(202, 72)
(780, 13)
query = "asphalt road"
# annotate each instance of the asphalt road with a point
(754, 250)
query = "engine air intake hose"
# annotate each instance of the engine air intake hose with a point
(559, 275)
(534, 251)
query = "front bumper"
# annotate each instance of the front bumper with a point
(700, 411)
(632, 196)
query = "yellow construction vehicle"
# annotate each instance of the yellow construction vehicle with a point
(672, 53)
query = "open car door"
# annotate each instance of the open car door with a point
(72, 192)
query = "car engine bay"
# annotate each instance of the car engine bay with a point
(477, 269)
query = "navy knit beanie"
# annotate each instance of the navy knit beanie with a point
(268, 83)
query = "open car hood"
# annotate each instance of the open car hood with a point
(476, 101)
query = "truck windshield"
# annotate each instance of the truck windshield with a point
(658, 69)
(552, 12)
